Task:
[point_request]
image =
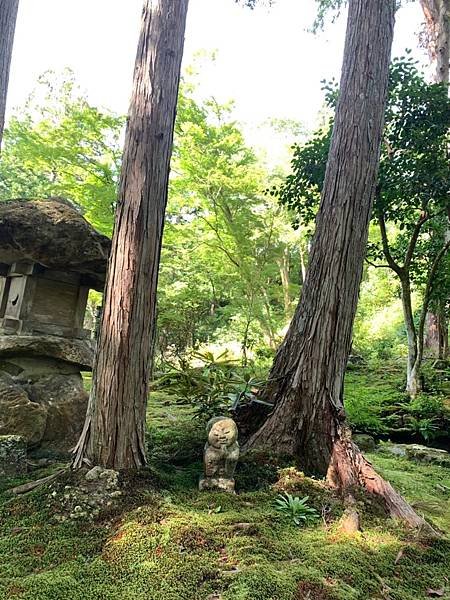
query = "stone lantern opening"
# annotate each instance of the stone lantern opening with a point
(36, 300)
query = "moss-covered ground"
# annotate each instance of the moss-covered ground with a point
(170, 542)
(376, 403)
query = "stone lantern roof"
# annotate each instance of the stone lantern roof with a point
(53, 234)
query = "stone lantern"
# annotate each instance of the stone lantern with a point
(50, 257)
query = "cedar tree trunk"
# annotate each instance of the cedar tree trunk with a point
(306, 380)
(113, 434)
(8, 17)
(437, 26)
(437, 22)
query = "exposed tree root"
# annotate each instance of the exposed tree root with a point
(349, 470)
(350, 521)
(32, 485)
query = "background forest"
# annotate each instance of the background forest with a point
(237, 237)
(336, 458)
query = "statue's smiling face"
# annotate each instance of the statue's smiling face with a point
(223, 433)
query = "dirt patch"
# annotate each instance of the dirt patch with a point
(308, 590)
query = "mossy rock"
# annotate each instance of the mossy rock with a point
(13, 455)
(365, 442)
(428, 455)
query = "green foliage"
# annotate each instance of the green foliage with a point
(379, 331)
(324, 8)
(427, 416)
(60, 145)
(296, 509)
(211, 385)
(366, 399)
(414, 178)
(412, 191)
(414, 143)
(376, 404)
(226, 244)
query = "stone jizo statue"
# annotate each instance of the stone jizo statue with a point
(220, 455)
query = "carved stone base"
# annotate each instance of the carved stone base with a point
(216, 484)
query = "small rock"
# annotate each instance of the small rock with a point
(365, 442)
(93, 474)
(395, 449)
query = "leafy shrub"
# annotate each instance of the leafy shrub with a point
(212, 385)
(296, 509)
(376, 404)
(426, 416)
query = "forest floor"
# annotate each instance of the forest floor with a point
(167, 541)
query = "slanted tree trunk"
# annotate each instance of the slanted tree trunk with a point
(306, 380)
(8, 17)
(113, 434)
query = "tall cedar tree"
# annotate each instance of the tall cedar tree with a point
(8, 17)
(437, 40)
(306, 380)
(113, 434)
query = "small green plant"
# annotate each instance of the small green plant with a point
(296, 508)
(426, 416)
(427, 428)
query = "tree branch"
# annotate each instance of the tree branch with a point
(386, 250)
(372, 264)
(415, 236)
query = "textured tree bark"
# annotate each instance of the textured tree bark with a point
(437, 22)
(306, 380)
(8, 17)
(436, 336)
(443, 332)
(113, 435)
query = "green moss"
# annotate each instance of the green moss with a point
(369, 396)
(427, 486)
(171, 542)
(375, 403)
